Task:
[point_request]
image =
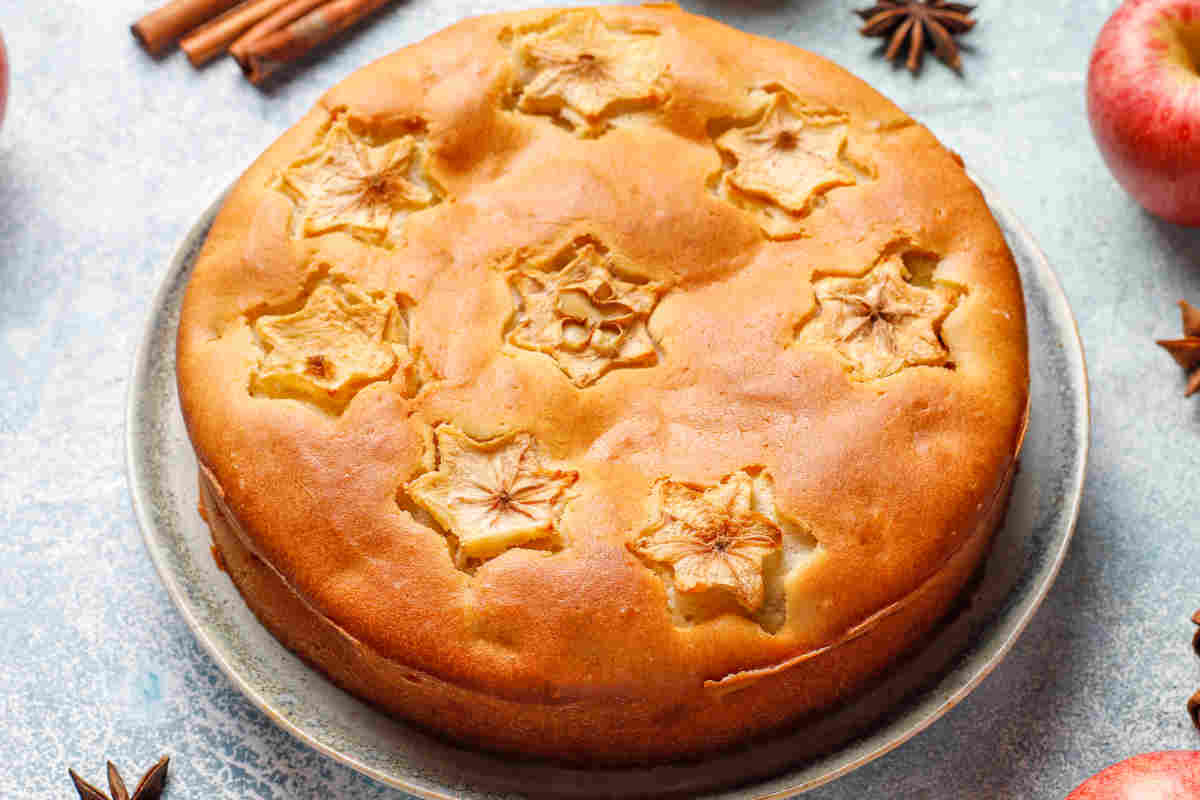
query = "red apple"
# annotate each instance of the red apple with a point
(1166, 775)
(1143, 99)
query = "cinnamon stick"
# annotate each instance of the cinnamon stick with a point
(159, 29)
(266, 55)
(210, 41)
(285, 16)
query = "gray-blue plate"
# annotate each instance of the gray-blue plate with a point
(1017, 575)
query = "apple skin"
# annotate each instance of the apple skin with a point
(1165, 775)
(1143, 102)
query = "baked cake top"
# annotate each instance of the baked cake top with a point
(581, 350)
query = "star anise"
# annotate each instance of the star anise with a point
(1187, 350)
(1196, 635)
(150, 787)
(914, 20)
(1193, 703)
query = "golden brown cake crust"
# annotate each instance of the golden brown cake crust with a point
(886, 455)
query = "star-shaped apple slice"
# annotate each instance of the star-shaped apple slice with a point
(880, 323)
(492, 495)
(584, 316)
(711, 539)
(339, 341)
(784, 163)
(581, 68)
(349, 183)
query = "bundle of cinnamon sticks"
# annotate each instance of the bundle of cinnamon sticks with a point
(262, 35)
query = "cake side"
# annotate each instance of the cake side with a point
(604, 730)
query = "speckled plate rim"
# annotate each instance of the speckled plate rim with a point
(1041, 521)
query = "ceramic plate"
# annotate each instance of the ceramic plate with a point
(1015, 578)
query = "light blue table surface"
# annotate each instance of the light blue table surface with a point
(108, 156)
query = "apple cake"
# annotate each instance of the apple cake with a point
(603, 384)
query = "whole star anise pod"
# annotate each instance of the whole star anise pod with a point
(914, 20)
(150, 787)
(1186, 351)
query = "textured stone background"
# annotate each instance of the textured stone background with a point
(107, 157)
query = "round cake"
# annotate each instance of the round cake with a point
(606, 385)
